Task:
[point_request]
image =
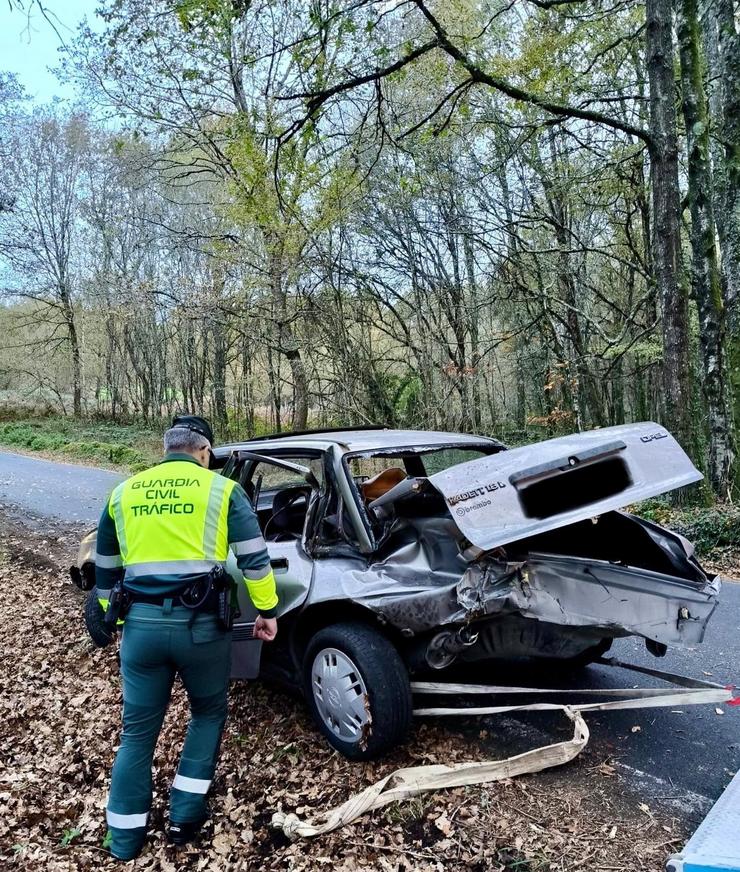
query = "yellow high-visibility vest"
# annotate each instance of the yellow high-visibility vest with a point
(172, 519)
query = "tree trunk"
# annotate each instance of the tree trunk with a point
(729, 133)
(273, 377)
(472, 318)
(287, 344)
(218, 334)
(666, 229)
(76, 370)
(617, 405)
(520, 418)
(300, 387)
(729, 195)
(74, 344)
(640, 382)
(705, 267)
(248, 396)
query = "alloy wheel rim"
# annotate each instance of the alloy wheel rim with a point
(340, 694)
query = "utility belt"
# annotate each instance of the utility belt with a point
(213, 593)
(210, 604)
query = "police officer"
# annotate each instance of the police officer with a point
(165, 529)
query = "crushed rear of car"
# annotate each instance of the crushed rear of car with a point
(554, 568)
(400, 552)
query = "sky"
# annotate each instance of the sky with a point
(28, 43)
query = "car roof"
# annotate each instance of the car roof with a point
(375, 439)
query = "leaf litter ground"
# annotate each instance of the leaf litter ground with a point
(60, 703)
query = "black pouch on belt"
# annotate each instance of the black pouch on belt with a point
(228, 609)
(118, 605)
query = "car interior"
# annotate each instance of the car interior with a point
(376, 475)
(381, 483)
(281, 497)
(286, 516)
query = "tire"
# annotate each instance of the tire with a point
(369, 712)
(99, 633)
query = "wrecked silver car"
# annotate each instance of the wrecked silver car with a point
(400, 551)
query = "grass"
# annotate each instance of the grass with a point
(127, 447)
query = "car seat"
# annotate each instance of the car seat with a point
(288, 514)
(382, 482)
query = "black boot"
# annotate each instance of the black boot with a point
(183, 834)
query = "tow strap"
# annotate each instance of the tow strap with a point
(409, 782)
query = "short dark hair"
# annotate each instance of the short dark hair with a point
(184, 439)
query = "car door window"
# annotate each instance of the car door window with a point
(277, 477)
(283, 495)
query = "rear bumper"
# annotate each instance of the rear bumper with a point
(596, 596)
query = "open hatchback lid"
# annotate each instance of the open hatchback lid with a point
(524, 491)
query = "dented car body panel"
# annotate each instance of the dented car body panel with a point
(514, 552)
(418, 590)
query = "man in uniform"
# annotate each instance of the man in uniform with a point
(164, 530)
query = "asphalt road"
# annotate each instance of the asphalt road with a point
(680, 758)
(55, 490)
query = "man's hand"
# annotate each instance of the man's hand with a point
(265, 628)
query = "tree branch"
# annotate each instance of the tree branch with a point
(316, 99)
(479, 75)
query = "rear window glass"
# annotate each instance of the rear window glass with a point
(367, 467)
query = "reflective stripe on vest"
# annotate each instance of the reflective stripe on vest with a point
(172, 520)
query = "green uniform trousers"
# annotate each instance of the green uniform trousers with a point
(158, 643)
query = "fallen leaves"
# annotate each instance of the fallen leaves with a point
(443, 824)
(223, 843)
(59, 729)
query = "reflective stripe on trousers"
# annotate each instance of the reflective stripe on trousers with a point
(126, 821)
(191, 785)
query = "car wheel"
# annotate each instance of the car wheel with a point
(358, 690)
(99, 633)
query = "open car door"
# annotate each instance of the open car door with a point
(290, 563)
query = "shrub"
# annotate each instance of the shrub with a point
(85, 441)
(717, 527)
(657, 510)
(708, 528)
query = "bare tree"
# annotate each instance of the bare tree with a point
(43, 161)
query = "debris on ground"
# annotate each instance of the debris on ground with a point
(60, 706)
